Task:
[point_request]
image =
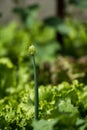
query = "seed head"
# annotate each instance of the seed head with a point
(32, 50)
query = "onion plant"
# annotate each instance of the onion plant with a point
(32, 52)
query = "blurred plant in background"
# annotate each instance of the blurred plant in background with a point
(14, 43)
(15, 39)
(54, 65)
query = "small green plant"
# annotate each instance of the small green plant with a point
(32, 52)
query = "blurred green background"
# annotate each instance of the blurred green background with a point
(58, 29)
(60, 41)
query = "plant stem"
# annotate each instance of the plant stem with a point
(35, 89)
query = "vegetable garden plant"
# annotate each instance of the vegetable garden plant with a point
(58, 101)
(62, 106)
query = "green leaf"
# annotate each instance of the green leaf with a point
(67, 107)
(44, 124)
(52, 21)
(63, 29)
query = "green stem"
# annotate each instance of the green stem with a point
(35, 89)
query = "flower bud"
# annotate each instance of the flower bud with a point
(32, 50)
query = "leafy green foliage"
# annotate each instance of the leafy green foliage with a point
(14, 43)
(27, 15)
(64, 68)
(19, 111)
(7, 78)
(74, 42)
(60, 107)
(43, 124)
